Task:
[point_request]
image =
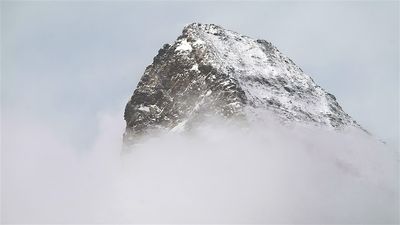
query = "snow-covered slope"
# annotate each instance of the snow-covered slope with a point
(210, 71)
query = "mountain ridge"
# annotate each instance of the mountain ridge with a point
(212, 71)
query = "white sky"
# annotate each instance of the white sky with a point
(63, 63)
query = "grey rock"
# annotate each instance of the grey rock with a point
(210, 71)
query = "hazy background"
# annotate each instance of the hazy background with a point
(63, 62)
(68, 69)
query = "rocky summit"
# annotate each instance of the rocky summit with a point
(211, 71)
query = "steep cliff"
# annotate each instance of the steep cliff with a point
(210, 71)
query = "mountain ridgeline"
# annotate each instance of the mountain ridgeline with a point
(210, 71)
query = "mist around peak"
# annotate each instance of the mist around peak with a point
(217, 173)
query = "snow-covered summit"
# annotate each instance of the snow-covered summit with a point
(210, 71)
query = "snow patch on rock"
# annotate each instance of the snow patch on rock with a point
(184, 46)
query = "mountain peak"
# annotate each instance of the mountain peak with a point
(202, 26)
(211, 71)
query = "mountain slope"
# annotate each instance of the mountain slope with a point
(210, 71)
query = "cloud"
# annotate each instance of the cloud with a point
(76, 58)
(220, 173)
(64, 62)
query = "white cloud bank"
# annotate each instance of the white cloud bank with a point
(217, 174)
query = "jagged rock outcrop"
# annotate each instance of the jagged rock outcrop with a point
(213, 71)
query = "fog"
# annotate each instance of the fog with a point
(217, 173)
(65, 65)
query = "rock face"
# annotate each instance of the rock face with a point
(213, 71)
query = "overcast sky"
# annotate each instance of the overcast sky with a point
(63, 63)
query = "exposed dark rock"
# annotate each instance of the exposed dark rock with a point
(213, 71)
